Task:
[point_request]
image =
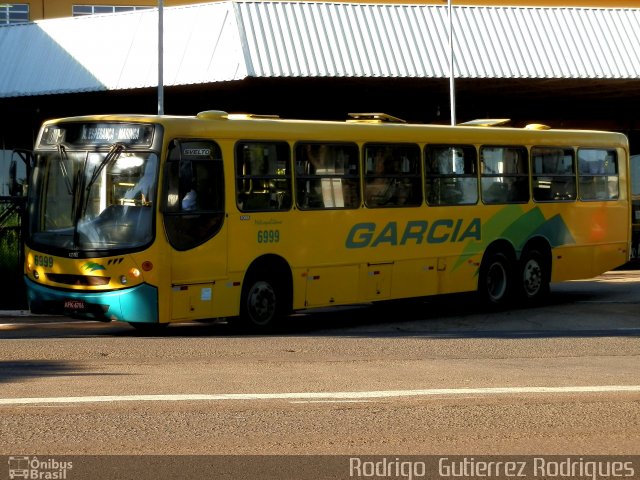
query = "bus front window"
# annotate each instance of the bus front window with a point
(93, 200)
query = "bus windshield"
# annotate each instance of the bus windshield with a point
(85, 200)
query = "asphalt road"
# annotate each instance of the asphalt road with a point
(430, 377)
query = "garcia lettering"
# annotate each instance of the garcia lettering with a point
(415, 232)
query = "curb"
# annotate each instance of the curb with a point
(16, 313)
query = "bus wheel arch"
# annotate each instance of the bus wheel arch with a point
(267, 293)
(496, 278)
(534, 270)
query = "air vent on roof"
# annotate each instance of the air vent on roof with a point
(486, 122)
(537, 126)
(374, 118)
(248, 116)
(213, 115)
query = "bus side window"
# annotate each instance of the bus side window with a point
(598, 174)
(553, 174)
(504, 174)
(392, 175)
(327, 175)
(451, 175)
(263, 176)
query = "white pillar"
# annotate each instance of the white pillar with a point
(452, 88)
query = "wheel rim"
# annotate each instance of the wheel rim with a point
(532, 277)
(261, 303)
(496, 281)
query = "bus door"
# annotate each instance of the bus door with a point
(193, 217)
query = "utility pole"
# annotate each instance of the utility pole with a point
(160, 57)
(452, 88)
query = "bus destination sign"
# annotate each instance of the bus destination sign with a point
(99, 134)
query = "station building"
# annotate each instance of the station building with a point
(25, 11)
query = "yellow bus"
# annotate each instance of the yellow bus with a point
(158, 219)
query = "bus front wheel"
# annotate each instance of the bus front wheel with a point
(261, 304)
(495, 280)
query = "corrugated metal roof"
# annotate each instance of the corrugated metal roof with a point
(225, 41)
(320, 39)
(345, 40)
(119, 51)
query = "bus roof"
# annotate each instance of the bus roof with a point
(220, 124)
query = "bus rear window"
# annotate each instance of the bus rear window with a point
(598, 174)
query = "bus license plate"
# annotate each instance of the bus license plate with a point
(75, 305)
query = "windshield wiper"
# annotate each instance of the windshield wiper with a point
(62, 153)
(114, 153)
(85, 187)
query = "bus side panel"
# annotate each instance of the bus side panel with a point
(455, 276)
(205, 300)
(414, 278)
(612, 254)
(377, 281)
(332, 285)
(571, 262)
(192, 301)
(595, 238)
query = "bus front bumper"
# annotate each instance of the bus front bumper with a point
(137, 304)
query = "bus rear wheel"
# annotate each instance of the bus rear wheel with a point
(534, 276)
(495, 280)
(261, 308)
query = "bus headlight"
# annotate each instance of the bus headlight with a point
(133, 273)
(36, 275)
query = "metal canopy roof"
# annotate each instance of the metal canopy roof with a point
(227, 41)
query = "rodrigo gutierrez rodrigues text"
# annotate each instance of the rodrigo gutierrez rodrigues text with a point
(536, 467)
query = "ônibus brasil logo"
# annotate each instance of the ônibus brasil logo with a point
(40, 469)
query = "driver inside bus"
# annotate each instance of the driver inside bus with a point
(189, 200)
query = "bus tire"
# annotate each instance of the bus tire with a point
(495, 280)
(262, 306)
(534, 276)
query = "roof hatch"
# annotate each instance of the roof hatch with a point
(374, 118)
